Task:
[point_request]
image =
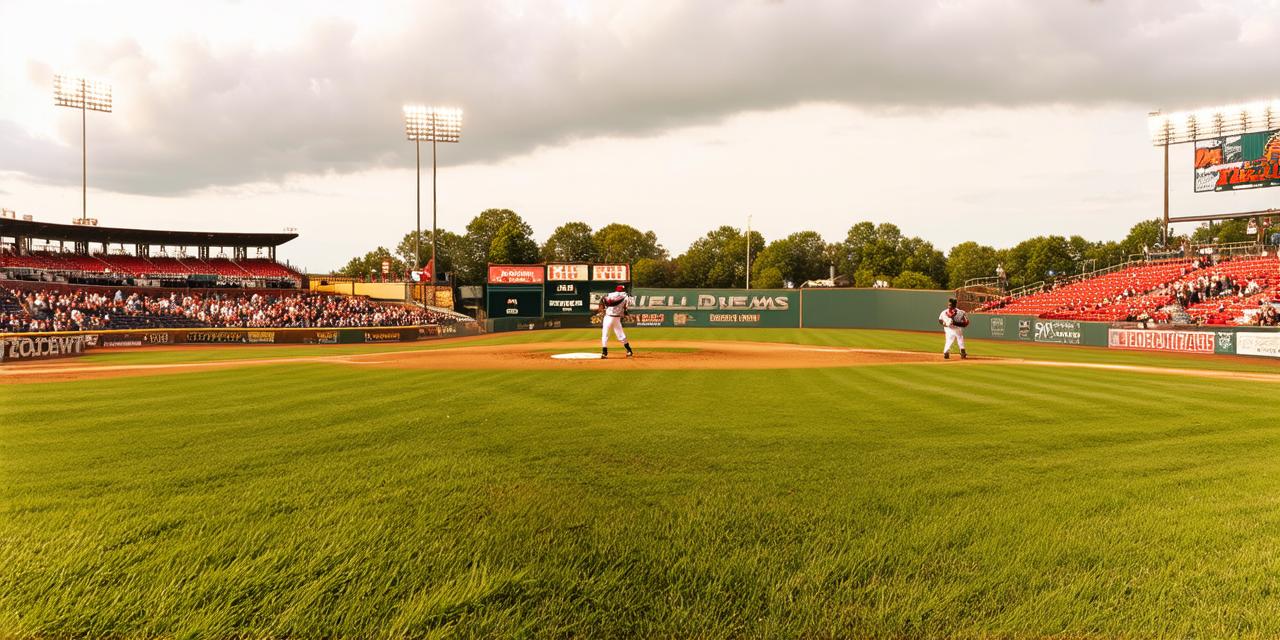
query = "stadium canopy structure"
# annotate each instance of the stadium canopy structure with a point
(24, 232)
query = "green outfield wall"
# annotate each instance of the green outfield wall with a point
(873, 308)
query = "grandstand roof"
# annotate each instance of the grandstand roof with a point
(78, 233)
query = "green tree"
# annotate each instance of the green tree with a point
(1039, 259)
(969, 260)
(1145, 234)
(1222, 232)
(871, 250)
(626, 244)
(570, 242)
(717, 259)
(512, 245)
(653, 272)
(913, 280)
(451, 247)
(371, 263)
(768, 278)
(920, 256)
(855, 247)
(471, 265)
(798, 257)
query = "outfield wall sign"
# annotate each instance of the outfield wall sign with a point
(1171, 341)
(997, 327)
(1058, 331)
(717, 307)
(17, 348)
(1256, 343)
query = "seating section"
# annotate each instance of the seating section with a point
(137, 266)
(97, 308)
(263, 268)
(1095, 298)
(1227, 292)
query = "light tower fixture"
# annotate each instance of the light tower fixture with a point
(430, 124)
(85, 95)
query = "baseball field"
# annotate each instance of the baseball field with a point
(724, 483)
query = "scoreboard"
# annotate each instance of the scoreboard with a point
(551, 290)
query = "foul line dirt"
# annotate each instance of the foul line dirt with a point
(661, 355)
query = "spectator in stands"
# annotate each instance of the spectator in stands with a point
(82, 310)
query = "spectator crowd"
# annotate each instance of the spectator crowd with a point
(81, 310)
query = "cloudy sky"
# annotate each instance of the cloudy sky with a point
(988, 120)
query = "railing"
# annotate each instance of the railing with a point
(981, 282)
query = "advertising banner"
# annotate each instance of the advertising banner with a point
(716, 308)
(1246, 161)
(568, 272)
(612, 272)
(1058, 331)
(997, 327)
(1256, 343)
(1155, 340)
(516, 274)
(17, 348)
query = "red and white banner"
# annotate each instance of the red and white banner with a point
(563, 272)
(1176, 341)
(516, 274)
(615, 272)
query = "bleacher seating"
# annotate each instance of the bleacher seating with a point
(157, 266)
(264, 268)
(127, 264)
(1149, 291)
(1087, 299)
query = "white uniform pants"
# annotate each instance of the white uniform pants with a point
(954, 334)
(616, 323)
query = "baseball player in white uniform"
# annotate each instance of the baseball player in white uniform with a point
(953, 321)
(614, 307)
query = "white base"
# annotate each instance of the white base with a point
(576, 356)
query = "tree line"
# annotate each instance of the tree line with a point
(868, 253)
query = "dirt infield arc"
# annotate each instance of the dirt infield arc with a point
(655, 355)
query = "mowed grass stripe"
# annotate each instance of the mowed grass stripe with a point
(823, 502)
(855, 338)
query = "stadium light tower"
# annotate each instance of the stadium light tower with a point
(85, 95)
(430, 124)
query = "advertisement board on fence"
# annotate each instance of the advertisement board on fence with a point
(1155, 340)
(717, 307)
(1058, 331)
(1255, 343)
(16, 348)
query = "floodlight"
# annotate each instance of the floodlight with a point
(85, 95)
(1213, 122)
(430, 124)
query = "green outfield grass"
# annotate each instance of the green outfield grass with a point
(323, 500)
(590, 338)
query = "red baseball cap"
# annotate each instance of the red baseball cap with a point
(621, 287)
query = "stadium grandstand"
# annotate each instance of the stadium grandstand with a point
(1201, 287)
(103, 255)
(56, 277)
